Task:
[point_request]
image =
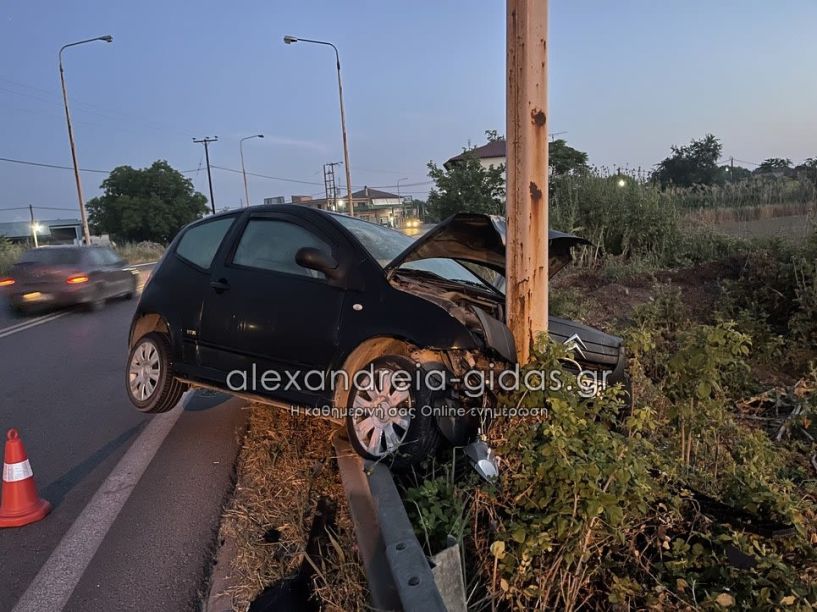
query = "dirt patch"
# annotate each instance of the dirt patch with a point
(286, 465)
(608, 304)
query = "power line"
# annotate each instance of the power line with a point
(44, 165)
(56, 166)
(24, 162)
(315, 183)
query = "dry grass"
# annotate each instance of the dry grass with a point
(9, 253)
(285, 466)
(716, 216)
(140, 252)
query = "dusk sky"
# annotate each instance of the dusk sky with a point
(422, 79)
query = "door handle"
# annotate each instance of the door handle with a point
(220, 285)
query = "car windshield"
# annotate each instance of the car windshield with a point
(385, 244)
(51, 256)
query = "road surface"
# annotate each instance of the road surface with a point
(136, 498)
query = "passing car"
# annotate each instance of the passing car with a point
(54, 276)
(246, 301)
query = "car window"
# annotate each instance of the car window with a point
(96, 257)
(270, 244)
(51, 256)
(385, 244)
(109, 257)
(200, 243)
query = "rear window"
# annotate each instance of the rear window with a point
(51, 257)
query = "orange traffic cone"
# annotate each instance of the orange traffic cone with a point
(19, 503)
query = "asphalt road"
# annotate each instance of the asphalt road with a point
(136, 498)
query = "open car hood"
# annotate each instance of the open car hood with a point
(479, 239)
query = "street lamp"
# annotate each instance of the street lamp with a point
(86, 232)
(399, 199)
(35, 229)
(243, 171)
(292, 39)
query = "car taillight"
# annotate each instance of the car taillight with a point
(77, 279)
(6, 282)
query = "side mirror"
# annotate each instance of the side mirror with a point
(315, 259)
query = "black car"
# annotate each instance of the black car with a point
(53, 276)
(307, 308)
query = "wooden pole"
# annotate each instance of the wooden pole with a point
(527, 189)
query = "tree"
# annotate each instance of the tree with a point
(774, 165)
(807, 170)
(493, 136)
(145, 204)
(466, 187)
(564, 159)
(693, 164)
(733, 174)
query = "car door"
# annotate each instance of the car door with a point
(98, 272)
(180, 283)
(121, 279)
(265, 313)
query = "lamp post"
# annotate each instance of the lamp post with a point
(292, 39)
(86, 232)
(399, 199)
(35, 227)
(243, 171)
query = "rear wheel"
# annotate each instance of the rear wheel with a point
(387, 420)
(97, 300)
(150, 381)
(131, 292)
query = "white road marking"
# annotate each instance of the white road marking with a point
(149, 263)
(13, 329)
(55, 582)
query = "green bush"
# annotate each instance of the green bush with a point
(9, 253)
(593, 508)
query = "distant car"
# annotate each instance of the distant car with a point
(291, 292)
(53, 276)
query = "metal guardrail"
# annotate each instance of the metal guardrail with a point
(396, 567)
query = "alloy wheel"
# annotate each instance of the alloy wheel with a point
(144, 370)
(380, 413)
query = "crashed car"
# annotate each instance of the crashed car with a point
(360, 323)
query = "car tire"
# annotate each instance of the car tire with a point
(18, 310)
(149, 377)
(132, 291)
(97, 300)
(387, 424)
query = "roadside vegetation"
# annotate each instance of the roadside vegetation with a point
(704, 496)
(284, 470)
(132, 252)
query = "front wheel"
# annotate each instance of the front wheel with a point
(150, 381)
(387, 416)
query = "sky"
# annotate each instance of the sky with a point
(422, 79)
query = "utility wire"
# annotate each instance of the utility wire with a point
(44, 165)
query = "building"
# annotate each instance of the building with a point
(370, 205)
(274, 200)
(55, 231)
(491, 154)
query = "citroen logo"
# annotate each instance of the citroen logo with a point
(576, 344)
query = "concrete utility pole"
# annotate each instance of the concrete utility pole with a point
(527, 191)
(243, 170)
(206, 142)
(86, 232)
